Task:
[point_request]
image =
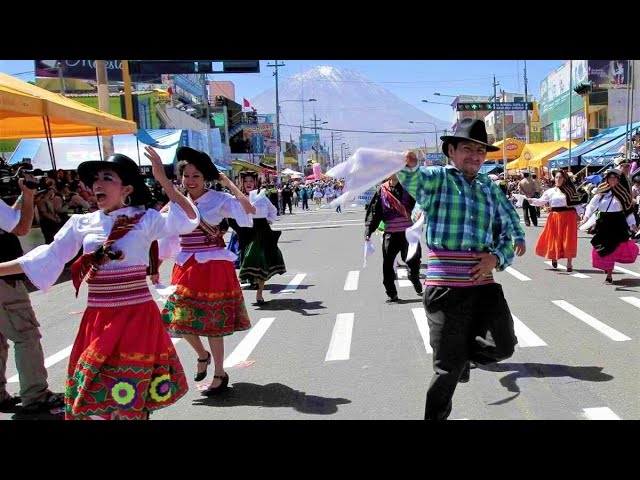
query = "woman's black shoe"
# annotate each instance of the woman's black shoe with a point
(220, 388)
(202, 375)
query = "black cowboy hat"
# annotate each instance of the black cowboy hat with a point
(201, 160)
(126, 169)
(468, 129)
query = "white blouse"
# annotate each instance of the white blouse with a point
(264, 207)
(213, 207)
(553, 196)
(601, 201)
(9, 218)
(44, 264)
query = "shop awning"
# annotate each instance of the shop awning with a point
(513, 148)
(27, 111)
(604, 154)
(536, 155)
(490, 167)
(606, 136)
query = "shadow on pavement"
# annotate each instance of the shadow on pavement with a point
(402, 301)
(542, 370)
(272, 395)
(278, 287)
(626, 282)
(19, 414)
(297, 305)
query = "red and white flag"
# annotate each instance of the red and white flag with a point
(245, 104)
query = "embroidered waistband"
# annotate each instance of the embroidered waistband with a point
(451, 269)
(119, 287)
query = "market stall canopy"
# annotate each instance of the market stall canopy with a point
(603, 138)
(289, 171)
(513, 148)
(604, 154)
(24, 109)
(536, 155)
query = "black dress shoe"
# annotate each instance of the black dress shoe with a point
(466, 374)
(417, 285)
(199, 376)
(220, 388)
(393, 299)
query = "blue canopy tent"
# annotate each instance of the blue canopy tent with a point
(490, 167)
(604, 154)
(603, 138)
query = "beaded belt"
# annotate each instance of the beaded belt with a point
(118, 287)
(198, 241)
(451, 269)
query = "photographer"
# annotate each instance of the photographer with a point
(17, 319)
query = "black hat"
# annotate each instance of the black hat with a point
(126, 169)
(249, 173)
(468, 129)
(201, 160)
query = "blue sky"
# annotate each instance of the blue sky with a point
(411, 80)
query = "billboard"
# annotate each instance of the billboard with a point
(265, 129)
(309, 140)
(555, 88)
(608, 73)
(257, 143)
(82, 69)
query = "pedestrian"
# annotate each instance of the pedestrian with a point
(207, 301)
(611, 241)
(528, 188)
(393, 205)
(559, 238)
(122, 364)
(18, 322)
(471, 229)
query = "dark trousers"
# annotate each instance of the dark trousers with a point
(456, 317)
(286, 203)
(305, 203)
(392, 244)
(529, 211)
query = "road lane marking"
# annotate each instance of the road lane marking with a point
(323, 221)
(405, 283)
(574, 274)
(624, 270)
(600, 413)
(351, 283)
(293, 284)
(526, 338)
(593, 322)
(53, 359)
(402, 273)
(340, 345)
(517, 274)
(248, 343)
(315, 227)
(632, 300)
(423, 327)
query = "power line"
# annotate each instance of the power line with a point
(413, 132)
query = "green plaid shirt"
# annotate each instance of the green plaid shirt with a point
(464, 216)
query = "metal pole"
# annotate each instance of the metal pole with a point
(275, 73)
(103, 102)
(526, 99)
(61, 77)
(128, 101)
(301, 147)
(226, 125)
(332, 160)
(205, 102)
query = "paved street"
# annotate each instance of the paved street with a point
(328, 347)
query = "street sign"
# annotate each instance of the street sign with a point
(435, 156)
(490, 106)
(149, 67)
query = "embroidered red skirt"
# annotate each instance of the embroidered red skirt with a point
(208, 300)
(123, 362)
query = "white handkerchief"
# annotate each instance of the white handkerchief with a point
(368, 250)
(413, 235)
(591, 221)
(520, 198)
(163, 290)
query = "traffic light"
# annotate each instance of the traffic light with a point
(474, 106)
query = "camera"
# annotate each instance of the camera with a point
(10, 174)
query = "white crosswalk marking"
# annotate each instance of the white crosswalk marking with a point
(517, 274)
(600, 413)
(574, 274)
(248, 343)
(351, 283)
(632, 300)
(402, 273)
(293, 284)
(603, 328)
(526, 338)
(53, 359)
(624, 270)
(405, 283)
(340, 345)
(423, 327)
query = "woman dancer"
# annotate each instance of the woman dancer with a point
(122, 364)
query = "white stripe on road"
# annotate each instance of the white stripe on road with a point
(323, 221)
(624, 270)
(517, 274)
(423, 327)
(315, 227)
(248, 343)
(340, 344)
(526, 338)
(351, 283)
(632, 300)
(600, 413)
(175, 340)
(405, 283)
(53, 359)
(402, 273)
(293, 284)
(575, 274)
(589, 320)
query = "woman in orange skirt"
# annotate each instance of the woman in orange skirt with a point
(122, 364)
(559, 238)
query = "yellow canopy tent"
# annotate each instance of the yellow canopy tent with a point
(536, 155)
(27, 111)
(513, 148)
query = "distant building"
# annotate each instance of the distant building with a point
(225, 89)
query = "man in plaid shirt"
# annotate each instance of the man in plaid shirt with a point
(471, 229)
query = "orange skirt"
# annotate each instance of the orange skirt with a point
(559, 239)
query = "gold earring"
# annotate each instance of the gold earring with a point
(127, 201)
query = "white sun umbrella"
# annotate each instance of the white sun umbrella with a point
(288, 171)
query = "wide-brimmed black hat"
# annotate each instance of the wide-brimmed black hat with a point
(200, 160)
(468, 129)
(126, 169)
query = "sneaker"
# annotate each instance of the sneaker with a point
(50, 402)
(8, 404)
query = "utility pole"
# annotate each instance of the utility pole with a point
(275, 73)
(526, 99)
(315, 121)
(103, 102)
(495, 100)
(128, 101)
(61, 77)
(332, 160)
(301, 147)
(205, 103)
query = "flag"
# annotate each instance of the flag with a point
(245, 104)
